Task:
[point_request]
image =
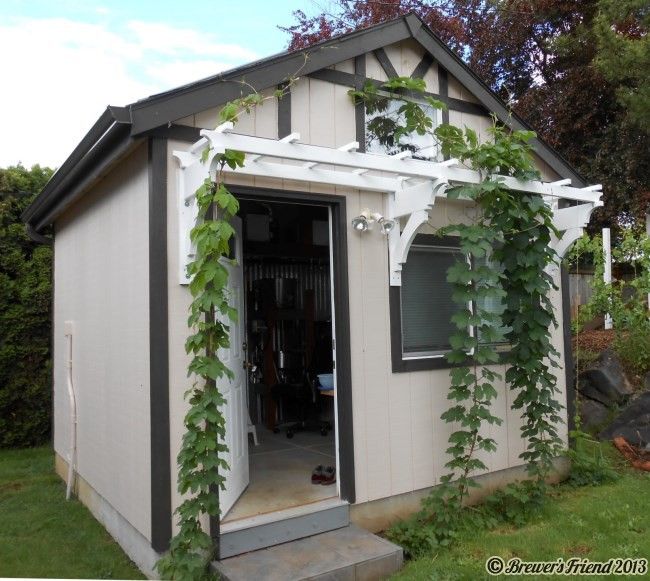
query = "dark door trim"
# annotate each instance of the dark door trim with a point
(341, 313)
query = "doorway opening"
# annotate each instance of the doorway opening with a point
(288, 358)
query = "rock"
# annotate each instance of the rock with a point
(604, 381)
(593, 415)
(633, 423)
(646, 381)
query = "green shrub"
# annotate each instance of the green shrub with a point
(589, 465)
(417, 538)
(25, 307)
(633, 347)
(427, 531)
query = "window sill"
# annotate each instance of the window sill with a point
(408, 365)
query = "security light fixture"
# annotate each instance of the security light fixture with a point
(366, 219)
(385, 224)
(362, 222)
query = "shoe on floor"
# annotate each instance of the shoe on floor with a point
(329, 476)
(317, 475)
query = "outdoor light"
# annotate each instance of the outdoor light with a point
(362, 222)
(385, 224)
(365, 220)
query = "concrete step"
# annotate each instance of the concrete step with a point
(346, 554)
(266, 530)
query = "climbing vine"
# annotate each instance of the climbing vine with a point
(201, 457)
(201, 460)
(507, 261)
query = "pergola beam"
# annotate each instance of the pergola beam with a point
(412, 185)
(413, 168)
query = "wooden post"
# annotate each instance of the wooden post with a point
(607, 275)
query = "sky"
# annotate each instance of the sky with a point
(64, 61)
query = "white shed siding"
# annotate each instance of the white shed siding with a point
(399, 438)
(101, 283)
(459, 91)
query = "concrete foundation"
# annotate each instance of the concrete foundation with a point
(133, 543)
(378, 515)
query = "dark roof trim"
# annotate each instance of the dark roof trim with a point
(448, 59)
(112, 125)
(168, 107)
(115, 144)
(38, 238)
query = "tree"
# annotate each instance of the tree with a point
(551, 61)
(623, 54)
(25, 315)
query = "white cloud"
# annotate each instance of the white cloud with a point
(166, 39)
(60, 74)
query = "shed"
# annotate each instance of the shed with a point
(318, 297)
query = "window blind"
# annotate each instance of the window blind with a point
(426, 304)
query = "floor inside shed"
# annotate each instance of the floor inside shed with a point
(280, 473)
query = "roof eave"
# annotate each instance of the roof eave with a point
(91, 152)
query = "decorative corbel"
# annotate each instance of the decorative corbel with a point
(571, 223)
(414, 202)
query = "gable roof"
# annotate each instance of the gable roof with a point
(119, 128)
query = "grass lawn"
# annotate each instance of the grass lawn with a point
(597, 523)
(42, 535)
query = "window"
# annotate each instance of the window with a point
(422, 308)
(426, 303)
(422, 146)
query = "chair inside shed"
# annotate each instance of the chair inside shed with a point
(289, 357)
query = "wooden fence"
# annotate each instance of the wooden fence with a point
(580, 290)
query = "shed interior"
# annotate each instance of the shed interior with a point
(291, 390)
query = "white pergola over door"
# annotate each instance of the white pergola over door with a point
(411, 185)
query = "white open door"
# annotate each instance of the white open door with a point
(235, 410)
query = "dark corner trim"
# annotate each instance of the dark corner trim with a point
(423, 66)
(443, 89)
(36, 237)
(385, 63)
(568, 352)
(284, 112)
(161, 506)
(359, 107)
(342, 313)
